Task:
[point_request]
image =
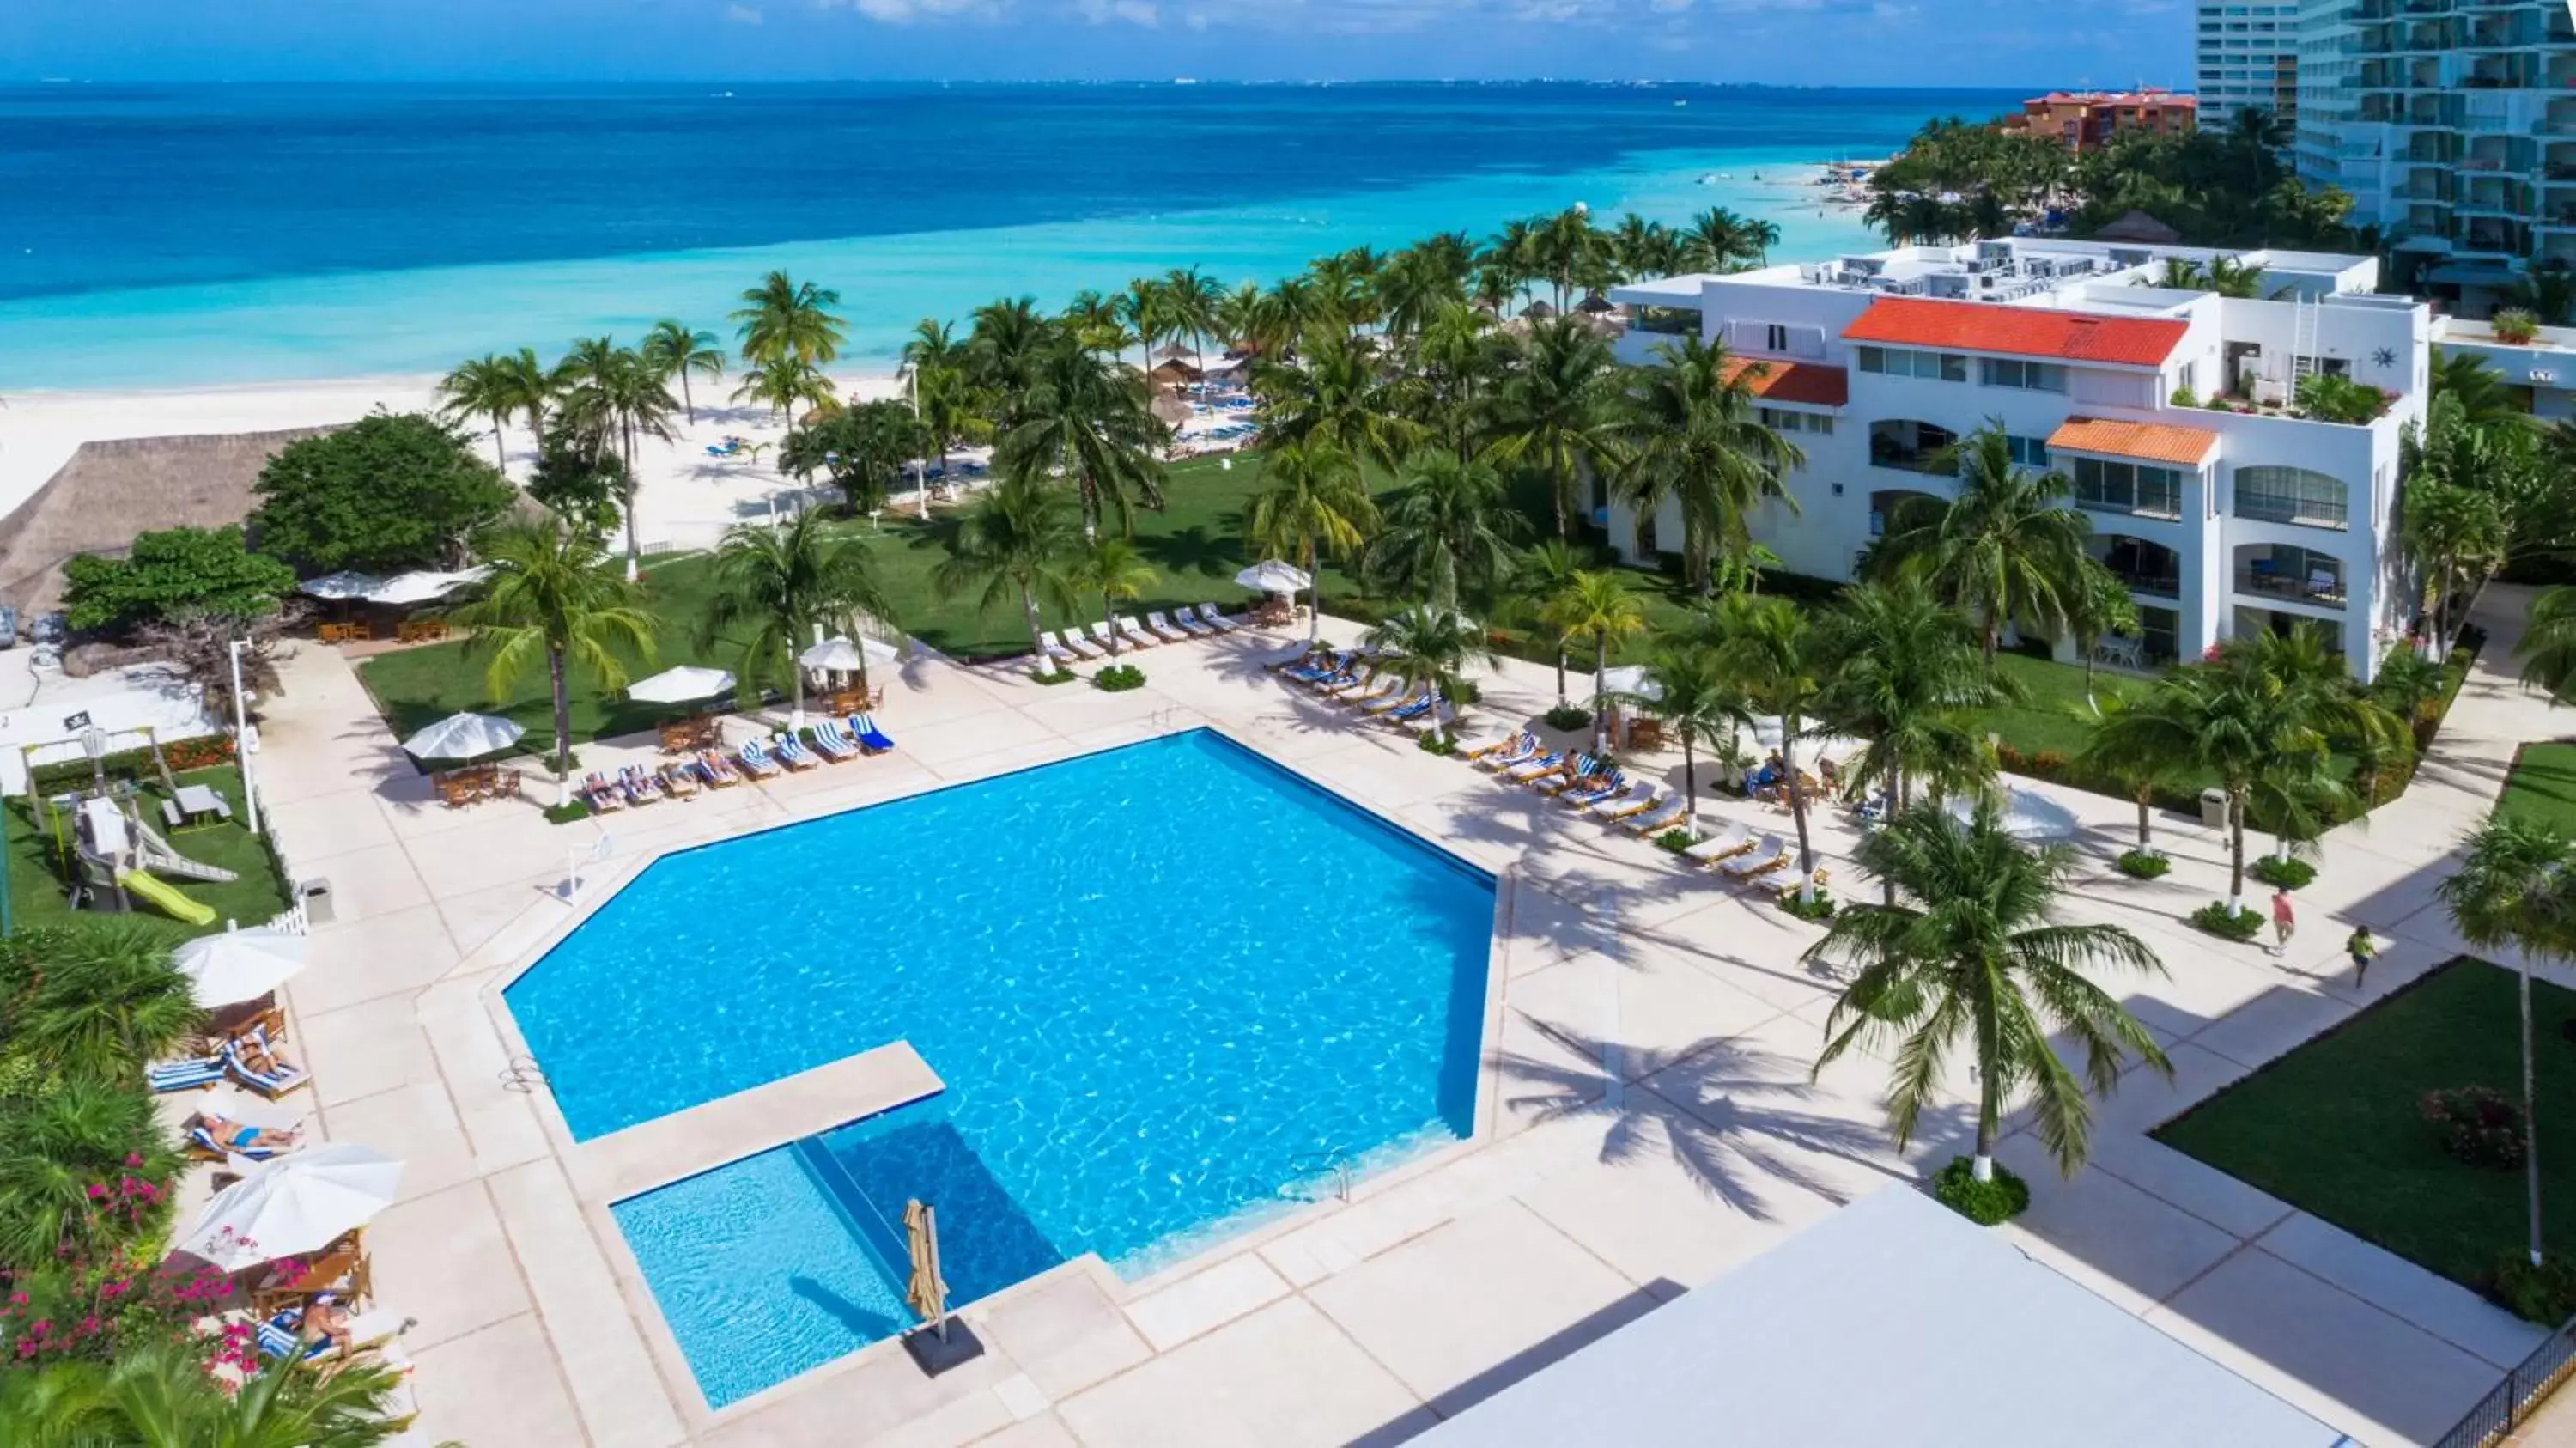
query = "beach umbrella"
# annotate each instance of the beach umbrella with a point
(2025, 815)
(927, 1291)
(238, 965)
(463, 736)
(1170, 410)
(846, 656)
(405, 589)
(1538, 312)
(1174, 353)
(682, 685)
(294, 1204)
(1596, 305)
(341, 585)
(1272, 576)
(1630, 679)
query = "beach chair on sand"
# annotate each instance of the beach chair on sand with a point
(755, 760)
(719, 771)
(791, 751)
(872, 740)
(832, 744)
(1215, 621)
(1078, 646)
(1726, 844)
(1163, 628)
(1772, 854)
(1668, 815)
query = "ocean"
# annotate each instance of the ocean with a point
(187, 236)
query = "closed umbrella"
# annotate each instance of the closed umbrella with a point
(1272, 576)
(294, 1204)
(927, 1291)
(238, 965)
(681, 685)
(463, 736)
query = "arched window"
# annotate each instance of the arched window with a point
(2291, 495)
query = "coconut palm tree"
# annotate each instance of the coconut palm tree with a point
(674, 350)
(614, 396)
(1718, 240)
(1192, 299)
(485, 386)
(1697, 436)
(1015, 538)
(1446, 533)
(1114, 572)
(1147, 309)
(1699, 705)
(2007, 548)
(1312, 499)
(1089, 418)
(786, 320)
(1779, 658)
(1003, 349)
(2513, 890)
(1243, 319)
(2456, 535)
(1457, 363)
(2098, 606)
(1336, 394)
(2134, 755)
(56, 1145)
(1902, 673)
(1596, 604)
(551, 598)
(774, 587)
(783, 386)
(1429, 648)
(1974, 950)
(2548, 645)
(159, 1395)
(1560, 412)
(102, 999)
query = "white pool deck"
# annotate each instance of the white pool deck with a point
(1651, 1117)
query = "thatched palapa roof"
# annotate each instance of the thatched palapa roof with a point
(2138, 226)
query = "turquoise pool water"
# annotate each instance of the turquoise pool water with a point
(1167, 987)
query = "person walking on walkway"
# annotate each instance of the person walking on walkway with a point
(2285, 921)
(2362, 950)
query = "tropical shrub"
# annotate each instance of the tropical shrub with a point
(2513, 324)
(2218, 920)
(1819, 907)
(171, 574)
(2289, 874)
(1436, 742)
(1676, 840)
(1566, 718)
(2144, 865)
(571, 811)
(2184, 397)
(1118, 678)
(2329, 398)
(389, 491)
(1058, 676)
(2480, 1126)
(2545, 1294)
(1985, 1203)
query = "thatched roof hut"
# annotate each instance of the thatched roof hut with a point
(96, 501)
(1538, 311)
(1173, 374)
(1596, 305)
(2138, 226)
(1169, 410)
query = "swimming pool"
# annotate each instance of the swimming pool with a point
(1165, 985)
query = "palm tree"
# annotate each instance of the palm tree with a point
(1191, 301)
(2098, 606)
(1772, 651)
(1719, 240)
(2548, 645)
(1698, 437)
(1312, 498)
(785, 320)
(1116, 573)
(1597, 604)
(954, 410)
(1088, 417)
(1446, 532)
(2133, 754)
(1699, 705)
(1337, 394)
(2478, 390)
(1429, 648)
(614, 397)
(1015, 538)
(1147, 310)
(104, 1000)
(1002, 352)
(2457, 535)
(1974, 948)
(777, 586)
(2513, 890)
(551, 597)
(1560, 412)
(674, 349)
(783, 386)
(1902, 674)
(484, 386)
(2006, 549)
(1542, 574)
(56, 1145)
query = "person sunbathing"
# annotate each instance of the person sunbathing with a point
(233, 1135)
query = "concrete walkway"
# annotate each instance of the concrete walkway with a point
(1656, 1121)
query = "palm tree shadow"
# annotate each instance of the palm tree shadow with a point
(1193, 551)
(1747, 1121)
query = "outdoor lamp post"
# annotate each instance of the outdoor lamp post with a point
(93, 742)
(245, 743)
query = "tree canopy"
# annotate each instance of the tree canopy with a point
(173, 574)
(389, 491)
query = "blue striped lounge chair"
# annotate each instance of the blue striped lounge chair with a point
(1520, 752)
(604, 797)
(1580, 767)
(203, 1143)
(1601, 787)
(1413, 708)
(1547, 763)
(281, 1338)
(831, 743)
(1323, 667)
(187, 1075)
(267, 1074)
(863, 727)
(793, 753)
(756, 761)
(641, 785)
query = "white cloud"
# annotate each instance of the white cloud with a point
(743, 14)
(904, 12)
(1134, 12)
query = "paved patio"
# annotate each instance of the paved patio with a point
(1653, 1119)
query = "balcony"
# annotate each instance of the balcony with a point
(2301, 575)
(2291, 495)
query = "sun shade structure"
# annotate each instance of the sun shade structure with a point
(463, 736)
(404, 589)
(682, 685)
(1767, 1354)
(2026, 815)
(239, 965)
(845, 654)
(342, 585)
(1272, 576)
(294, 1204)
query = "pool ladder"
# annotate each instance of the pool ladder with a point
(522, 1074)
(1334, 1161)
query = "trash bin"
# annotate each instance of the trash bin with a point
(315, 897)
(2213, 808)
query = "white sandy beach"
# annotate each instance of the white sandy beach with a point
(686, 497)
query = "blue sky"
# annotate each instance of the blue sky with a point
(1790, 42)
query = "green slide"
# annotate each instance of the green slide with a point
(179, 907)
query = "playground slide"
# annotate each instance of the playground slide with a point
(168, 898)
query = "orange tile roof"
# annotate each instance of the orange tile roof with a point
(2017, 331)
(1812, 383)
(2155, 442)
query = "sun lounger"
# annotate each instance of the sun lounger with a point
(1726, 844)
(202, 1145)
(267, 1074)
(1548, 763)
(1772, 854)
(1102, 634)
(1164, 629)
(640, 787)
(1078, 646)
(281, 1337)
(1319, 667)
(755, 760)
(1356, 680)
(1056, 653)
(719, 771)
(1668, 815)
(832, 744)
(871, 739)
(1390, 703)
(1641, 796)
(1494, 745)
(1133, 632)
(1216, 621)
(1602, 786)
(1378, 691)
(1579, 768)
(1420, 705)
(791, 751)
(603, 796)
(185, 1075)
(1289, 658)
(680, 780)
(1519, 753)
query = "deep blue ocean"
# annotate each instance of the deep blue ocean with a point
(169, 235)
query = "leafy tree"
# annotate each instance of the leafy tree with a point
(1429, 647)
(2005, 549)
(1596, 604)
(1446, 534)
(1015, 537)
(614, 397)
(1543, 573)
(673, 351)
(1974, 949)
(172, 574)
(1778, 657)
(2135, 752)
(773, 587)
(2457, 536)
(1698, 437)
(2098, 606)
(1335, 395)
(1114, 572)
(551, 598)
(955, 410)
(863, 449)
(579, 481)
(200, 648)
(1311, 499)
(1903, 673)
(2548, 645)
(388, 492)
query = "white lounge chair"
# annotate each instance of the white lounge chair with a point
(1134, 632)
(1770, 855)
(1181, 625)
(1215, 620)
(1078, 646)
(1642, 797)
(1376, 692)
(1056, 653)
(1519, 752)
(1545, 764)
(1484, 742)
(1655, 822)
(1102, 633)
(1726, 844)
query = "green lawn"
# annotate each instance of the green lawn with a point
(2542, 787)
(39, 880)
(2335, 1127)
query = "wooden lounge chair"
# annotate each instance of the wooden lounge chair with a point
(1727, 844)
(719, 771)
(1773, 856)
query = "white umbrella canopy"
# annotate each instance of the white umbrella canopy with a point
(463, 736)
(239, 965)
(420, 587)
(344, 584)
(682, 685)
(1272, 576)
(844, 654)
(293, 1204)
(2026, 815)
(1630, 679)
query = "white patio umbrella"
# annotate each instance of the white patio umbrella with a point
(1630, 679)
(682, 685)
(238, 965)
(463, 736)
(1272, 576)
(344, 584)
(294, 1204)
(404, 589)
(845, 655)
(2026, 815)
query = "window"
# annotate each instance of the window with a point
(1780, 419)
(2188, 377)
(2029, 376)
(1775, 337)
(2029, 452)
(2117, 487)
(2290, 495)
(1900, 362)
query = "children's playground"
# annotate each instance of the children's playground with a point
(138, 838)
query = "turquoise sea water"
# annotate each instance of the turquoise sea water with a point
(1168, 988)
(199, 235)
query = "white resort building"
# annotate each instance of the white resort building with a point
(2223, 522)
